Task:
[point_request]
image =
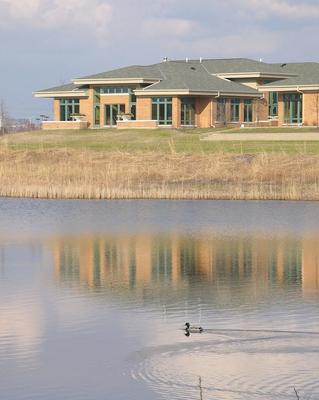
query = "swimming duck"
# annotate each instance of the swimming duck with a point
(193, 329)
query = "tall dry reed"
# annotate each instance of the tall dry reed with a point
(117, 175)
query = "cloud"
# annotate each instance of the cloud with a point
(172, 27)
(84, 16)
(283, 8)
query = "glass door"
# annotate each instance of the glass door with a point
(293, 108)
(188, 111)
(111, 113)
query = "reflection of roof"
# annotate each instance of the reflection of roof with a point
(306, 74)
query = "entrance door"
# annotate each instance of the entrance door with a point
(111, 113)
(293, 108)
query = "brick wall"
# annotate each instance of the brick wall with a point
(176, 112)
(144, 108)
(50, 125)
(114, 99)
(203, 111)
(56, 110)
(311, 108)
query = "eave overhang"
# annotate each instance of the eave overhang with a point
(113, 81)
(245, 75)
(187, 92)
(289, 88)
(65, 94)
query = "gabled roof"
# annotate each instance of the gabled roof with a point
(194, 77)
(307, 74)
(242, 65)
(131, 72)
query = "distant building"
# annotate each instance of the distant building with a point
(190, 93)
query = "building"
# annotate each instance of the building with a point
(190, 93)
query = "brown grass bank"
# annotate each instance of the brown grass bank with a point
(118, 175)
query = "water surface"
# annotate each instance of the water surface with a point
(94, 295)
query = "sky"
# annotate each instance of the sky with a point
(45, 43)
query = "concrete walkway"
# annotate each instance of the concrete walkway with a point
(281, 136)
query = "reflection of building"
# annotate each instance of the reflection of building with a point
(310, 265)
(140, 261)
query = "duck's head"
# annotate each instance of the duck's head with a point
(187, 325)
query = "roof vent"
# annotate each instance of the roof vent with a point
(261, 60)
(165, 59)
(187, 59)
(193, 68)
(200, 59)
(283, 65)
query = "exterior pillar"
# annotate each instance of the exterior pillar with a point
(56, 110)
(176, 112)
(203, 112)
(281, 109)
(143, 108)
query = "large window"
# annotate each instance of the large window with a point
(234, 109)
(293, 108)
(221, 110)
(69, 107)
(248, 110)
(111, 113)
(188, 111)
(162, 110)
(273, 104)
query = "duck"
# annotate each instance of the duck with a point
(193, 329)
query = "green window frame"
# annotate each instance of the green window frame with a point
(293, 108)
(273, 104)
(115, 90)
(188, 111)
(248, 110)
(69, 107)
(111, 113)
(97, 107)
(234, 109)
(221, 110)
(162, 110)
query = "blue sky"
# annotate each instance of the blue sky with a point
(44, 43)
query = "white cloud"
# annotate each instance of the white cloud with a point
(84, 16)
(283, 8)
(172, 27)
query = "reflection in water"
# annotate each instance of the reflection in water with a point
(101, 315)
(136, 262)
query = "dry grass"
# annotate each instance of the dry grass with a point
(120, 175)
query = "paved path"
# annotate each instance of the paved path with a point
(282, 136)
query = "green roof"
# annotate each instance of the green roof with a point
(306, 74)
(193, 76)
(63, 88)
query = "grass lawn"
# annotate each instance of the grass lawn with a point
(160, 140)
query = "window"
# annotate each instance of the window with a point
(162, 110)
(221, 110)
(69, 107)
(293, 108)
(111, 113)
(234, 109)
(248, 110)
(273, 104)
(96, 107)
(188, 111)
(114, 89)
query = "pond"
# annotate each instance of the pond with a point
(94, 296)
